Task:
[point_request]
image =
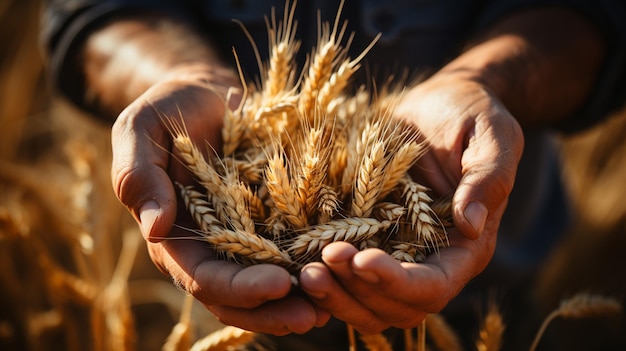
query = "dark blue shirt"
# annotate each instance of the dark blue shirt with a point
(416, 35)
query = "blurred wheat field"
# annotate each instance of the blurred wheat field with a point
(74, 271)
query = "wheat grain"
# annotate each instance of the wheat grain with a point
(389, 211)
(282, 192)
(407, 252)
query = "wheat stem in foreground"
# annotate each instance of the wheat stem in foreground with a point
(180, 336)
(492, 330)
(441, 334)
(580, 306)
(376, 342)
(227, 338)
(421, 336)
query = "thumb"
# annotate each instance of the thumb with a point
(489, 166)
(140, 181)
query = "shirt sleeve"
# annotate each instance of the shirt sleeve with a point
(64, 24)
(609, 16)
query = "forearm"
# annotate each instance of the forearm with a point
(123, 58)
(541, 63)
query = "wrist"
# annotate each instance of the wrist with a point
(541, 63)
(218, 78)
(124, 57)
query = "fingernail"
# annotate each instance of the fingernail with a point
(308, 278)
(318, 295)
(147, 216)
(476, 214)
(369, 277)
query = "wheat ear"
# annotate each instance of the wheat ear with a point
(194, 159)
(442, 334)
(421, 216)
(200, 209)
(369, 180)
(350, 229)
(225, 339)
(320, 68)
(310, 167)
(399, 165)
(253, 247)
(580, 306)
(492, 330)
(282, 192)
(283, 47)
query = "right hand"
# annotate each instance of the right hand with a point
(255, 298)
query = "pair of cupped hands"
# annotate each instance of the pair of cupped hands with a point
(474, 148)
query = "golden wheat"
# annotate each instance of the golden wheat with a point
(352, 229)
(492, 330)
(580, 306)
(441, 334)
(375, 342)
(225, 339)
(248, 246)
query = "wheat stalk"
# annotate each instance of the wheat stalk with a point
(225, 339)
(580, 306)
(180, 337)
(375, 342)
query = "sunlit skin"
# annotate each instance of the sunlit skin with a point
(466, 111)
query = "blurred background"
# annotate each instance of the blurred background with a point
(74, 271)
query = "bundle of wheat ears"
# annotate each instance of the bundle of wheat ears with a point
(307, 162)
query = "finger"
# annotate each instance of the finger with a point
(139, 174)
(290, 315)
(338, 257)
(318, 282)
(194, 267)
(429, 285)
(489, 167)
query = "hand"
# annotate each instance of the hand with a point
(255, 298)
(475, 147)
